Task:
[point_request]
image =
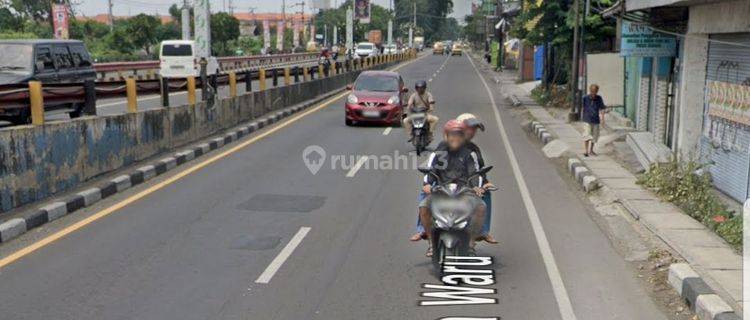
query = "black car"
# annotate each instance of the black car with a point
(48, 61)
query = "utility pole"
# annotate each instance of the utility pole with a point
(413, 26)
(185, 20)
(499, 35)
(573, 115)
(283, 11)
(582, 53)
(111, 19)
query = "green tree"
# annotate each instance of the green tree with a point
(37, 10)
(142, 31)
(551, 22)
(224, 29)
(9, 21)
(431, 16)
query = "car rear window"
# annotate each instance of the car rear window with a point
(364, 46)
(177, 50)
(16, 57)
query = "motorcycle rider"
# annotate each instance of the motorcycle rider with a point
(324, 59)
(456, 161)
(421, 99)
(472, 124)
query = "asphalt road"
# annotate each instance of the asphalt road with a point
(198, 248)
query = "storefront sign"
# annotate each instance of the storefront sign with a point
(640, 40)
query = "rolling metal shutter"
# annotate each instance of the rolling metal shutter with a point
(724, 143)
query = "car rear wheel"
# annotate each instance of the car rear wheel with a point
(349, 123)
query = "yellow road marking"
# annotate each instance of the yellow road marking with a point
(80, 224)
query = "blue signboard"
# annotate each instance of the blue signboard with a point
(640, 40)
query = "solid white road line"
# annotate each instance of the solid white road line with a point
(275, 265)
(558, 287)
(387, 131)
(356, 167)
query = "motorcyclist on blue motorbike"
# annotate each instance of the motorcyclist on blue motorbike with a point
(455, 162)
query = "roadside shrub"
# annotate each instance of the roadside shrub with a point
(679, 183)
(553, 96)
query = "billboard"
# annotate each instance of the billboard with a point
(362, 10)
(60, 22)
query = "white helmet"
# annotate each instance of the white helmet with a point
(471, 121)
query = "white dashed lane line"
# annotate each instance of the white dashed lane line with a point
(353, 171)
(277, 262)
(387, 131)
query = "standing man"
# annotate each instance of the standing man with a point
(593, 112)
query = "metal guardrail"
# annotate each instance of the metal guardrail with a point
(18, 95)
(145, 70)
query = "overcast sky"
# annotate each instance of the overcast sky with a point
(133, 7)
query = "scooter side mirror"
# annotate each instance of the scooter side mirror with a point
(349, 87)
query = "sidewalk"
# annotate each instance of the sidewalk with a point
(715, 261)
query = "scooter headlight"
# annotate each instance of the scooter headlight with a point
(462, 224)
(352, 99)
(393, 100)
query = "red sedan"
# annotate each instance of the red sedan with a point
(376, 97)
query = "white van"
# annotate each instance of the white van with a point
(177, 60)
(366, 49)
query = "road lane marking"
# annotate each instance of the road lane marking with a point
(356, 167)
(558, 286)
(277, 262)
(179, 175)
(387, 131)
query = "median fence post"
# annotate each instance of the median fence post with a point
(232, 84)
(165, 92)
(248, 81)
(287, 77)
(262, 80)
(37, 102)
(89, 102)
(321, 72)
(305, 74)
(132, 94)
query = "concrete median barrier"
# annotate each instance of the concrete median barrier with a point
(40, 161)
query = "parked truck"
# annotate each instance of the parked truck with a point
(419, 43)
(376, 37)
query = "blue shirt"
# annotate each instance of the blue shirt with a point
(591, 108)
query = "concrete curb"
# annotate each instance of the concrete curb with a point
(54, 210)
(698, 295)
(587, 180)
